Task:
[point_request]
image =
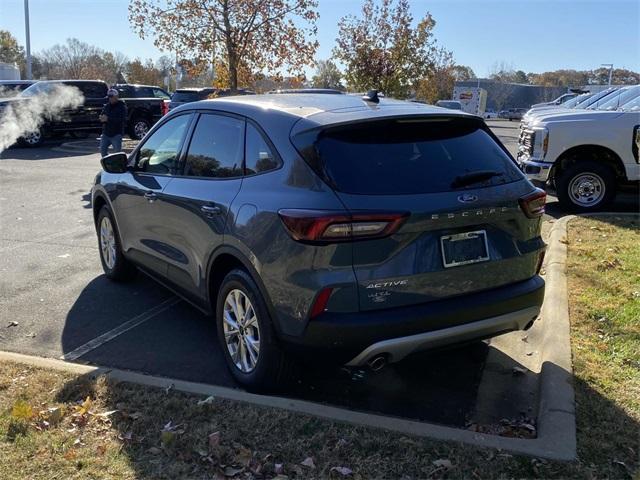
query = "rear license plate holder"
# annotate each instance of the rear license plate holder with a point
(464, 248)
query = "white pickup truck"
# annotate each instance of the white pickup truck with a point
(585, 155)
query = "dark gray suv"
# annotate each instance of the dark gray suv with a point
(352, 230)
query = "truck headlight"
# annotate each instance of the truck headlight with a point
(540, 142)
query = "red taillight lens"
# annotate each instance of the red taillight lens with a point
(164, 107)
(320, 304)
(321, 226)
(533, 204)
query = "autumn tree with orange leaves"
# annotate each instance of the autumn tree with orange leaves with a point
(269, 36)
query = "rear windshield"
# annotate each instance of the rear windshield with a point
(406, 156)
(186, 97)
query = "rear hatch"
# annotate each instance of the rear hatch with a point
(459, 192)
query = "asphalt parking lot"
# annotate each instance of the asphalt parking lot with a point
(55, 302)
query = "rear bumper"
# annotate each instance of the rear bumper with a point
(355, 338)
(396, 349)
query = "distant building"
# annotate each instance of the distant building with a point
(501, 95)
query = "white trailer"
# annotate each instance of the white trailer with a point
(9, 72)
(472, 99)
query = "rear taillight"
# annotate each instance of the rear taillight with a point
(533, 204)
(321, 226)
(164, 107)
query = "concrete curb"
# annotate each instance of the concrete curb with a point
(556, 416)
(536, 447)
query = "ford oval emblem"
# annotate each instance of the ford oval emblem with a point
(467, 198)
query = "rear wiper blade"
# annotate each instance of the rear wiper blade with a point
(474, 177)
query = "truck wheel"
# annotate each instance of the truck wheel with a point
(139, 128)
(32, 139)
(247, 337)
(586, 186)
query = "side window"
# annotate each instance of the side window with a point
(92, 89)
(159, 93)
(216, 147)
(159, 153)
(144, 92)
(259, 157)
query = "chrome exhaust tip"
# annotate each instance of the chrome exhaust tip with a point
(378, 362)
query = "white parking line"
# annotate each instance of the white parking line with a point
(119, 330)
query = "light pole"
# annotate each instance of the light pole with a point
(28, 36)
(610, 65)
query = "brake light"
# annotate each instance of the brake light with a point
(533, 204)
(320, 305)
(164, 108)
(322, 226)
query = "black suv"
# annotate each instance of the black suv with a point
(349, 230)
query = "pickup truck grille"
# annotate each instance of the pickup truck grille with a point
(526, 141)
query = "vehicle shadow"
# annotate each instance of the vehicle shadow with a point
(45, 152)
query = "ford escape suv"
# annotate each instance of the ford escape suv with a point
(353, 230)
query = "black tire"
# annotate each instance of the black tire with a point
(273, 368)
(139, 128)
(119, 269)
(603, 180)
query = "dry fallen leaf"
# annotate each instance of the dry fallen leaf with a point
(214, 440)
(443, 463)
(207, 401)
(308, 462)
(232, 471)
(12, 324)
(344, 471)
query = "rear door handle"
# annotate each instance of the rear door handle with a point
(150, 196)
(210, 211)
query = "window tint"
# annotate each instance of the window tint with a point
(216, 148)
(124, 92)
(259, 157)
(159, 154)
(144, 92)
(185, 96)
(405, 156)
(92, 89)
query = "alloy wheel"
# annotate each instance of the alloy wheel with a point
(241, 330)
(587, 189)
(33, 138)
(108, 243)
(140, 129)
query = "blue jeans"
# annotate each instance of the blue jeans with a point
(115, 142)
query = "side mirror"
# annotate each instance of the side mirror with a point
(115, 163)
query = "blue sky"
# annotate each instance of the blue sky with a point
(531, 35)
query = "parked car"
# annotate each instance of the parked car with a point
(503, 114)
(558, 101)
(188, 95)
(450, 104)
(83, 120)
(490, 113)
(585, 156)
(516, 113)
(251, 210)
(11, 88)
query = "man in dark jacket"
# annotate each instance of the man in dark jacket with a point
(114, 119)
